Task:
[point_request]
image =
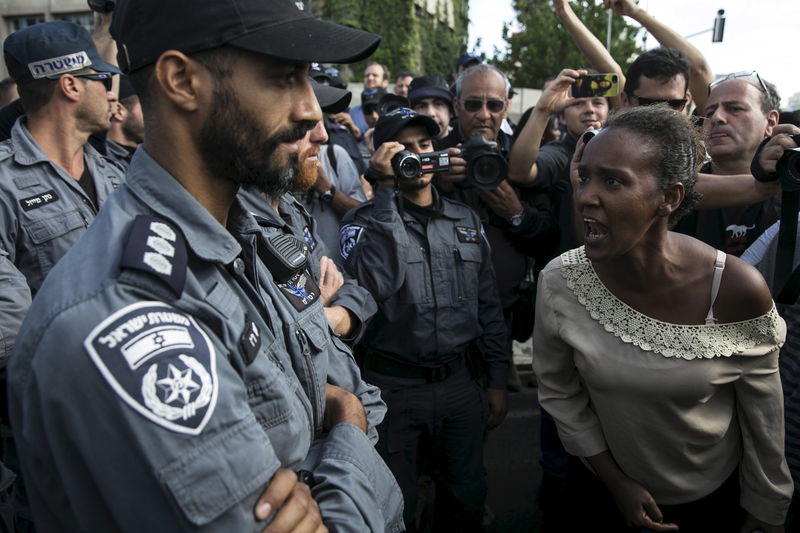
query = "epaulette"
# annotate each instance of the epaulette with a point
(350, 215)
(158, 248)
(267, 222)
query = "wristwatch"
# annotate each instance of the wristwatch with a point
(516, 220)
(327, 196)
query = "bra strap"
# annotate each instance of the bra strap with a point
(719, 266)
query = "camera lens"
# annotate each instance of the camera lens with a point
(407, 165)
(488, 170)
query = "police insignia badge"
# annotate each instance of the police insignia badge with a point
(160, 362)
(348, 238)
(301, 290)
(466, 234)
(309, 238)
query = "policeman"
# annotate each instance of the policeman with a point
(52, 183)
(426, 261)
(165, 381)
(348, 306)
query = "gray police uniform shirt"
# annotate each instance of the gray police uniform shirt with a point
(15, 299)
(434, 284)
(346, 179)
(162, 377)
(296, 220)
(43, 210)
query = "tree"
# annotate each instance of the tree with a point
(543, 46)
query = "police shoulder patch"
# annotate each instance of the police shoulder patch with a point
(160, 362)
(467, 234)
(348, 238)
(156, 247)
(300, 290)
(309, 238)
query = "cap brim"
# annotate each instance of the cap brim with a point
(102, 66)
(311, 39)
(331, 99)
(390, 131)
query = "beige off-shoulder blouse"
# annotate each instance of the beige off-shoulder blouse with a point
(678, 406)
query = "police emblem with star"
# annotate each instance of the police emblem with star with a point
(160, 362)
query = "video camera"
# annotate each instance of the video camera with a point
(486, 166)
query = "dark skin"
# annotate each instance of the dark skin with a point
(664, 275)
(279, 92)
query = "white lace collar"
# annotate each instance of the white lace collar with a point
(670, 340)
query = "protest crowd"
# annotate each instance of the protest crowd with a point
(231, 301)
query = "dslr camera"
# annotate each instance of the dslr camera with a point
(486, 166)
(788, 168)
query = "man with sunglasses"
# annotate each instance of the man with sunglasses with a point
(53, 183)
(741, 111)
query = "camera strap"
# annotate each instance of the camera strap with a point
(785, 277)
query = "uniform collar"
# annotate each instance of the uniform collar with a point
(28, 152)
(206, 237)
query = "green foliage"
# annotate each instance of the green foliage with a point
(412, 39)
(543, 47)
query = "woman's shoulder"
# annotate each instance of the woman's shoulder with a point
(743, 293)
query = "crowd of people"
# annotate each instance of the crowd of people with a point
(234, 302)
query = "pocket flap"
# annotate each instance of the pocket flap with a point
(46, 229)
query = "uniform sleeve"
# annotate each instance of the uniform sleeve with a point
(766, 486)
(15, 298)
(561, 392)
(374, 246)
(348, 176)
(494, 337)
(354, 488)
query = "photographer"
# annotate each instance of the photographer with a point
(425, 259)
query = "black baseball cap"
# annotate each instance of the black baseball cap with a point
(372, 97)
(429, 87)
(286, 29)
(468, 60)
(49, 49)
(331, 99)
(125, 87)
(390, 124)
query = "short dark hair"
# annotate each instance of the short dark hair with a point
(218, 61)
(678, 147)
(659, 63)
(405, 74)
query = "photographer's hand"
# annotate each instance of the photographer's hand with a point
(458, 171)
(503, 200)
(781, 141)
(381, 160)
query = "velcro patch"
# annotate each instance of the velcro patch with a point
(40, 200)
(250, 341)
(156, 247)
(348, 238)
(467, 234)
(160, 362)
(301, 290)
(59, 65)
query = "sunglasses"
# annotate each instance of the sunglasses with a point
(472, 105)
(748, 75)
(104, 77)
(677, 103)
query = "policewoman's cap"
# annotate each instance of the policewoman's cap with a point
(331, 99)
(390, 124)
(285, 29)
(50, 49)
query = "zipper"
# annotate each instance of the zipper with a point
(312, 384)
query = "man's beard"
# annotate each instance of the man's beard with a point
(235, 147)
(308, 171)
(412, 185)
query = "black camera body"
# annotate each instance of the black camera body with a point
(408, 165)
(788, 168)
(486, 165)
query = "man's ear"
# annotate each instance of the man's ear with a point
(673, 197)
(772, 121)
(183, 81)
(70, 87)
(120, 114)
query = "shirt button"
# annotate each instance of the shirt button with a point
(238, 265)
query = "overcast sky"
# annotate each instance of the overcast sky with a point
(760, 35)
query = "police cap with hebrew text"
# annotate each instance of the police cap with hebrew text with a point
(50, 49)
(285, 29)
